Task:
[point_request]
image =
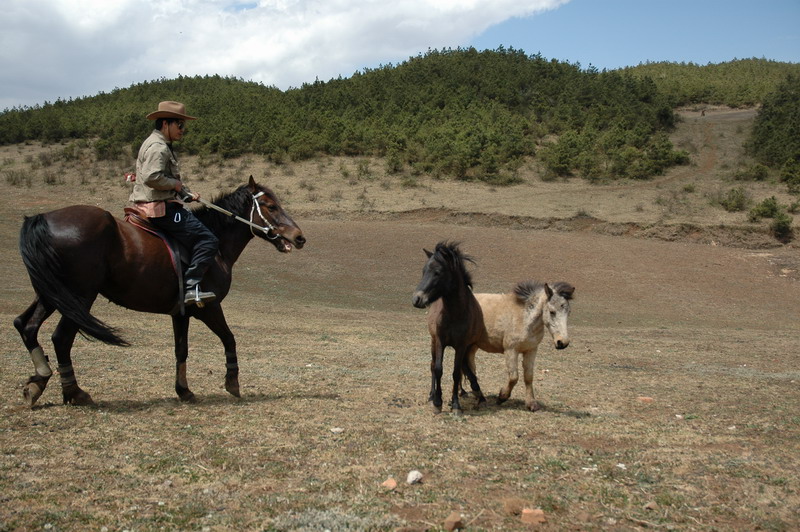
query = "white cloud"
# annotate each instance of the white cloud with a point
(53, 49)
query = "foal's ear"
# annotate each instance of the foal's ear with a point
(548, 291)
(251, 185)
(428, 253)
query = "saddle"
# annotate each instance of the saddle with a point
(178, 254)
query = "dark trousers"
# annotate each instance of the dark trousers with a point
(183, 226)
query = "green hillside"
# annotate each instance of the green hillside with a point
(461, 113)
(737, 83)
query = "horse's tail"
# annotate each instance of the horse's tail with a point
(46, 272)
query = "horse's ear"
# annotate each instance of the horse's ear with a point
(252, 184)
(428, 253)
(567, 291)
(548, 291)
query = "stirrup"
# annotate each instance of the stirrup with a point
(195, 296)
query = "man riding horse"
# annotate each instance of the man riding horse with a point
(159, 195)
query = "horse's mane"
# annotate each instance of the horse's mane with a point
(527, 289)
(236, 202)
(448, 253)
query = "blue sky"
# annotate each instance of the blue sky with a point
(62, 49)
(617, 33)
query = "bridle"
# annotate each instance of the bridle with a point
(267, 228)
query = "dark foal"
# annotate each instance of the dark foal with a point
(454, 319)
(76, 253)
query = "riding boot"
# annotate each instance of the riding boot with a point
(195, 295)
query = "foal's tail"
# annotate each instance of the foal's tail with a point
(46, 272)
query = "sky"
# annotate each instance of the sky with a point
(65, 49)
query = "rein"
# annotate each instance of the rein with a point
(256, 208)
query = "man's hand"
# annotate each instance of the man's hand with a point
(187, 196)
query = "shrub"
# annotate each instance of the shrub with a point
(363, 171)
(768, 208)
(16, 178)
(559, 158)
(106, 149)
(781, 226)
(394, 162)
(503, 179)
(735, 200)
(790, 174)
(754, 172)
(71, 152)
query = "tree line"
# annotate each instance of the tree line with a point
(453, 112)
(775, 139)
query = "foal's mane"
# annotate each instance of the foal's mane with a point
(449, 255)
(527, 289)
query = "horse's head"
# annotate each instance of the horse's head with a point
(555, 311)
(266, 211)
(442, 274)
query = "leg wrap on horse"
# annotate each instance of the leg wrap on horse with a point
(232, 374)
(40, 362)
(67, 375)
(231, 362)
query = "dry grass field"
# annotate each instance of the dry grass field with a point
(676, 405)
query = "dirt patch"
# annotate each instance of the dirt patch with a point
(335, 369)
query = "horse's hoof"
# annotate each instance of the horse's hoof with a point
(80, 398)
(436, 409)
(534, 407)
(75, 396)
(232, 386)
(457, 412)
(187, 397)
(32, 392)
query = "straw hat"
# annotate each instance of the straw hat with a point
(170, 110)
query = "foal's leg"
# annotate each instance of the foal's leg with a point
(459, 363)
(28, 324)
(180, 330)
(513, 375)
(214, 318)
(471, 363)
(528, 358)
(469, 371)
(63, 338)
(437, 358)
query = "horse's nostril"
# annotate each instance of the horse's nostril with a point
(300, 241)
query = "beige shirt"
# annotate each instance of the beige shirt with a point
(157, 170)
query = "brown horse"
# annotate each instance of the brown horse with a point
(75, 253)
(454, 319)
